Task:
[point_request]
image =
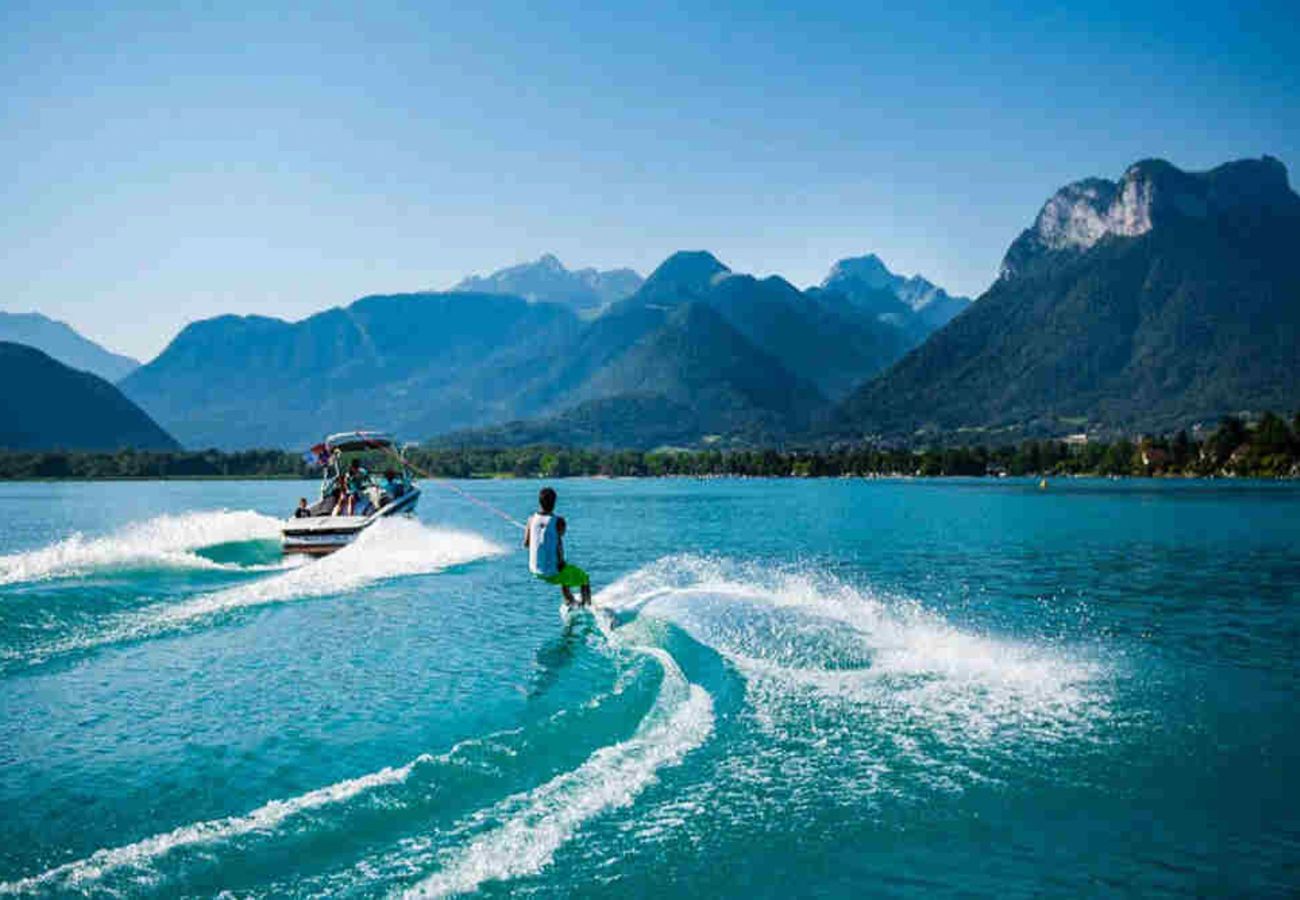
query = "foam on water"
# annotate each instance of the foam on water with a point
(864, 692)
(515, 836)
(388, 549)
(164, 541)
(867, 686)
(519, 835)
(977, 679)
(141, 855)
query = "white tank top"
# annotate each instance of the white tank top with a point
(543, 545)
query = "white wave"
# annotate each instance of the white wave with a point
(388, 549)
(963, 686)
(142, 854)
(167, 540)
(536, 823)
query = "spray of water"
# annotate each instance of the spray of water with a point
(167, 541)
(388, 549)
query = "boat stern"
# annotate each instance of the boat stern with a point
(319, 536)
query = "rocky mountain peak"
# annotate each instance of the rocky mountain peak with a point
(1150, 193)
(869, 270)
(914, 303)
(546, 280)
(691, 270)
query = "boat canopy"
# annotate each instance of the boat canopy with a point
(354, 441)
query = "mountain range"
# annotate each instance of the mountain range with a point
(715, 352)
(546, 280)
(914, 304)
(63, 343)
(1149, 303)
(49, 405)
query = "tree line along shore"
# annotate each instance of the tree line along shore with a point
(1268, 448)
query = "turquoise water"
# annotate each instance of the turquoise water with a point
(793, 688)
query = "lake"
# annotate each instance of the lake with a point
(828, 688)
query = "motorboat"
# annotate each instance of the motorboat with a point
(386, 488)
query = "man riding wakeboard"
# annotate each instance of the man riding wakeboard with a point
(544, 538)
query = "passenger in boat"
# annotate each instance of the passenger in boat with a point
(352, 484)
(303, 511)
(393, 486)
(342, 497)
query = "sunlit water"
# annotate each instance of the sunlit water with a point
(791, 688)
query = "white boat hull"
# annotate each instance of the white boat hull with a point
(321, 535)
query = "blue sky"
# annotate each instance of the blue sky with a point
(172, 162)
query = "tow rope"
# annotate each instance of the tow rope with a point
(496, 511)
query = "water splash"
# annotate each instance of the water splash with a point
(167, 541)
(875, 695)
(388, 549)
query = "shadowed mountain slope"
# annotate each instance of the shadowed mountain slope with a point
(51, 406)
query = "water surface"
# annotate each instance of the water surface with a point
(820, 688)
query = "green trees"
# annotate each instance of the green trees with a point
(1269, 448)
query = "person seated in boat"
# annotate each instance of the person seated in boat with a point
(363, 503)
(358, 477)
(393, 487)
(351, 487)
(303, 511)
(544, 538)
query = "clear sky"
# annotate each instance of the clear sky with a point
(175, 161)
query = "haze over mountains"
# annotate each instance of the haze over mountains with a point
(60, 341)
(546, 280)
(914, 304)
(696, 349)
(1147, 303)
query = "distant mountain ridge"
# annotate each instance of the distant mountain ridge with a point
(52, 406)
(415, 363)
(915, 304)
(1160, 299)
(546, 280)
(1165, 298)
(698, 354)
(62, 342)
(751, 359)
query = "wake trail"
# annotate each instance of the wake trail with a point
(879, 694)
(388, 549)
(536, 822)
(166, 541)
(519, 835)
(141, 855)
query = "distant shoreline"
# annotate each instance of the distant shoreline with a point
(1030, 476)
(1268, 449)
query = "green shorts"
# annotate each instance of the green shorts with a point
(570, 576)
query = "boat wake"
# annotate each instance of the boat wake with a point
(166, 541)
(514, 836)
(846, 697)
(390, 548)
(875, 695)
